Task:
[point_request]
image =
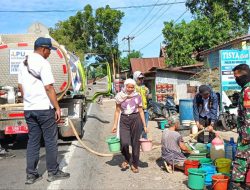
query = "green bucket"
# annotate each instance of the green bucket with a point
(114, 144)
(206, 161)
(197, 156)
(196, 178)
(201, 147)
(162, 124)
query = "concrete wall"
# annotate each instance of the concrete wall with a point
(180, 82)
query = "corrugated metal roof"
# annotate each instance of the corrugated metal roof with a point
(221, 46)
(153, 69)
(145, 64)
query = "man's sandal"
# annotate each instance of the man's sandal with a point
(168, 167)
(124, 166)
(134, 169)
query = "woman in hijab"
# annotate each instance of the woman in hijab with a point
(173, 146)
(129, 104)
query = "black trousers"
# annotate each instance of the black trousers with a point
(41, 122)
(130, 132)
(201, 137)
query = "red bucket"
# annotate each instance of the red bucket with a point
(190, 164)
(248, 176)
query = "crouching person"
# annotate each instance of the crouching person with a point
(173, 146)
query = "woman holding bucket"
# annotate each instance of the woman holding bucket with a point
(129, 104)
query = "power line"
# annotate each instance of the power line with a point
(163, 13)
(38, 11)
(161, 33)
(151, 5)
(149, 20)
(146, 16)
(75, 10)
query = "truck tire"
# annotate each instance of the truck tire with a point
(84, 120)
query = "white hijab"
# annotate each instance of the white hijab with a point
(122, 96)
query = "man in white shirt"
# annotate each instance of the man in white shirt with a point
(205, 111)
(41, 110)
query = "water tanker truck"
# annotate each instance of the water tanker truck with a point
(76, 82)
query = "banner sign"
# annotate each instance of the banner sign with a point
(228, 60)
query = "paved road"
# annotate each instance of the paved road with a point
(89, 171)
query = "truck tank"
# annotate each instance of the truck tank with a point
(14, 48)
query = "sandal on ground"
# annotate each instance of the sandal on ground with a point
(134, 169)
(168, 167)
(124, 165)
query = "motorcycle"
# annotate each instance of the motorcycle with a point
(159, 110)
(228, 118)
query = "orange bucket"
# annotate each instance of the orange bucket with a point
(190, 164)
(220, 182)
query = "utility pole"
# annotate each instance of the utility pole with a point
(128, 38)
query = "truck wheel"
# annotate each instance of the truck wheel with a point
(81, 129)
(83, 121)
(10, 138)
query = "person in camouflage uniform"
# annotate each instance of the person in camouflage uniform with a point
(242, 160)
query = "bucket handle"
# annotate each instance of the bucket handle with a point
(215, 184)
(217, 181)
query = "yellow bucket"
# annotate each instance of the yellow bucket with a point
(223, 165)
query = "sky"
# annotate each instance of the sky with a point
(145, 24)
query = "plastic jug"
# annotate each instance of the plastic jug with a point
(194, 128)
(217, 149)
(230, 149)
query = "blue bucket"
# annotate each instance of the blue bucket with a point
(210, 171)
(186, 109)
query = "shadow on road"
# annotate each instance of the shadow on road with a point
(118, 159)
(97, 118)
(159, 162)
(42, 162)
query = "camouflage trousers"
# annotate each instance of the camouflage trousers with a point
(241, 165)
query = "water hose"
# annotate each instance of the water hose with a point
(84, 145)
(91, 150)
(193, 136)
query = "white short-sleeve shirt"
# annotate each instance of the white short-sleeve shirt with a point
(35, 96)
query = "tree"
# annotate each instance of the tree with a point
(75, 33)
(125, 61)
(185, 40)
(238, 11)
(108, 23)
(93, 32)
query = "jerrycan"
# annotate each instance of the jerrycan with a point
(230, 149)
(217, 149)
